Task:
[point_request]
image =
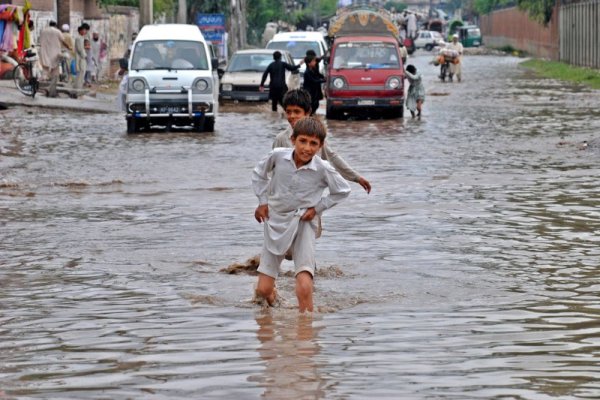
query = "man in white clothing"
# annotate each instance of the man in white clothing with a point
(456, 68)
(51, 43)
(289, 184)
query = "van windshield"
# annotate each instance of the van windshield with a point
(169, 54)
(367, 55)
(296, 48)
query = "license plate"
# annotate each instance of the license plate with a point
(252, 98)
(169, 110)
(366, 102)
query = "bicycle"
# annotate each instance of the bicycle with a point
(24, 76)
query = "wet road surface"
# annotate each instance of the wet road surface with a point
(470, 271)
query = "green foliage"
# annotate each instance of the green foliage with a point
(398, 5)
(565, 72)
(538, 10)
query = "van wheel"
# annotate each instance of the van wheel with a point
(209, 125)
(428, 47)
(132, 126)
(199, 124)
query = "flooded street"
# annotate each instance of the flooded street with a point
(469, 272)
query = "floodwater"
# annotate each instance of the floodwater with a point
(469, 272)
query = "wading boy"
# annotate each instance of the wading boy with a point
(289, 184)
(297, 105)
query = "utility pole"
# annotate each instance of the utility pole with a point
(182, 12)
(146, 12)
(238, 25)
(63, 12)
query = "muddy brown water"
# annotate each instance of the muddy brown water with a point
(470, 271)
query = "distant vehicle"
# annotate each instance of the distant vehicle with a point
(428, 40)
(172, 79)
(297, 43)
(242, 77)
(469, 35)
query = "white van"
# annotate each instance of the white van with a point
(172, 79)
(297, 43)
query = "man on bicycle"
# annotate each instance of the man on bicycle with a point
(51, 42)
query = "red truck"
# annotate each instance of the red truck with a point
(365, 73)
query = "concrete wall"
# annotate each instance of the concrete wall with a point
(115, 25)
(512, 27)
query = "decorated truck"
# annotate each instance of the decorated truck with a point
(365, 73)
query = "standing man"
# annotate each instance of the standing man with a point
(411, 25)
(456, 68)
(80, 54)
(277, 85)
(95, 50)
(51, 42)
(68, 50)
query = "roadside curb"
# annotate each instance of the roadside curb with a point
(10, 96)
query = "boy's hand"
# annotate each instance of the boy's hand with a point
(309, 214)
(365, 184)
(262, 213)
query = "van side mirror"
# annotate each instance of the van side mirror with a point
(215, 63)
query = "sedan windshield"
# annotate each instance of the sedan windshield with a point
(250, 62)
(169, 54)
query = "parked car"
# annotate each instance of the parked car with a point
(428, 40)
(241, 79)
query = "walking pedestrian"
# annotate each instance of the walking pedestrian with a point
(313, 80)
(416, 91)
(456, 66)
(276, 73)
(51, 43)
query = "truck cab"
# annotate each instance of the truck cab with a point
(172, 79)
(365, 72)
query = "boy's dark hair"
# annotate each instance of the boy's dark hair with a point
(297, 97)
(52, 23)
(277, 55)
(411, 68)
(310, 126)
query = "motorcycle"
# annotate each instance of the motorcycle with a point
(444, 59)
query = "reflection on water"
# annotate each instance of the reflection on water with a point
(469, 272)
(289, 347)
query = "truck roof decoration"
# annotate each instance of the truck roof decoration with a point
(363, 21)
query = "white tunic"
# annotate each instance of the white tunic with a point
(289, 191)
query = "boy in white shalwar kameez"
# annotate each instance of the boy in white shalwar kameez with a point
(289, 184)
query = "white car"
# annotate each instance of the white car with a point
(241, 80)
(428, 40)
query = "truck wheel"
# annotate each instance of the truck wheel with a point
(332, 113)
(400, 112)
